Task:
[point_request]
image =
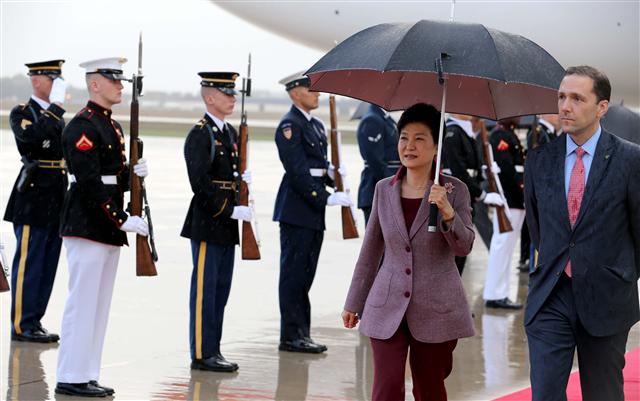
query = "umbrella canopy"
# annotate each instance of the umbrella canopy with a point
(623, 122)
(489, 73)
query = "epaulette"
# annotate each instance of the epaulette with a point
(85, 112)
(201, 123)
(22, 105)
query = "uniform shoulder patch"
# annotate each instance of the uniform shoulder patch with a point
(287, 131)
(450, 134)
(375, 139)
(84, 144)
(502, 145)
(25, 123)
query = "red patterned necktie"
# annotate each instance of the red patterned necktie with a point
(576, 191)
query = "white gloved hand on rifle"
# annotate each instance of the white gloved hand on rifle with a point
(493, 199)
(331, 172)
(135, 224)
(141, 169)
(242, 213)
(58, 91)
(246, 177)
(339, 199)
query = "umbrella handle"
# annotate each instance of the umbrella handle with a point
(433, 218)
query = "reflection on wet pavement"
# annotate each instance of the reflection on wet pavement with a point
(146, 351)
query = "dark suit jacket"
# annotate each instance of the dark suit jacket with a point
(604, 245)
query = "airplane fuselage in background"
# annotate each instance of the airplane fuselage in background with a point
(604, 34)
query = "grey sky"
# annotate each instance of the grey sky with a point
(180, 38)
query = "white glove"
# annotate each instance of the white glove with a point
(495, 169)
(135, 224)
(331, 172)
(141, 169)
(246, 177)
(242, 213)
(493, 199)
(339, 198)
(58, 91)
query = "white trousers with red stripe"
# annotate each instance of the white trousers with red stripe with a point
(92, 273)
(496, 284)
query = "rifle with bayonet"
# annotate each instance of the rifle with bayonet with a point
(4, 271)
(349, 229)
(504, 224)
(145, 255)
(250, 241)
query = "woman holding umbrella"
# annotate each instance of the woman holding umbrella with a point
(415, 299)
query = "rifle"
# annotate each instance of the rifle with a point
(4, 271)
(145, 256)
(349, 229)
(503, 221)
(535, 133)
(250, 243)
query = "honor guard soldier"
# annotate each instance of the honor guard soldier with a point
(300, 208)
(462, 158)
(36, 199)
(378, 143)
(211, 154)
(548, 124)
(507, 153)
(93, 226)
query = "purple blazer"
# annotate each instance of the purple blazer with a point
(418, 277)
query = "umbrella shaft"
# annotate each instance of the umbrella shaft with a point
(439, 154)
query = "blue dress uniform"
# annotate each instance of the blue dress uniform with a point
(34, 209)
(211, 155)
(300, 209)
(378, 143)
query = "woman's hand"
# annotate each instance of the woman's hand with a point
(349, 319)
(438, 195)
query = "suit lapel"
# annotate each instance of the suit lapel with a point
(423, 213)
(601, 158)
(557, 166)
(396, 209)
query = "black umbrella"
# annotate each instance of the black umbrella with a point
(466, 68)
(623, 122)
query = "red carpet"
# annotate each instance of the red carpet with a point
(631, 383)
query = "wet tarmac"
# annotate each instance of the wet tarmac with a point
(146, 352)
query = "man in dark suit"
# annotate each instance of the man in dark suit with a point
(300, 207)
(378, 144)
(583, 208)
(36, 199)
(211, 155)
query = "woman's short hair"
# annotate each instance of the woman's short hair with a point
(424, 114)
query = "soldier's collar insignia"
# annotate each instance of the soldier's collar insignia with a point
(84, 144)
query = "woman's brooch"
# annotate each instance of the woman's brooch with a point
(449, 187)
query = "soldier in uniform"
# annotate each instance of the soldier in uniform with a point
(36, 199)
(546, 131)
(93, 226)
(507, 153)
(211, 154)
(462, 158)
(378, 143)
(300, 208)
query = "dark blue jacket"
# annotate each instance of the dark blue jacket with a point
(302, 145)
(604, 243)
(378, 143)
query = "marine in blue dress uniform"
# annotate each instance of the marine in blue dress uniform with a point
(300, 208)
(211, 155)
(93, 226)
(36, 199)
(378, 142)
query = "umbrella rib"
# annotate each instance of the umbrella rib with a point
(386, 66)
(495, 49)
(493, 103)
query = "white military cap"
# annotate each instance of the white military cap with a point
(295, 80)
(110, 67)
